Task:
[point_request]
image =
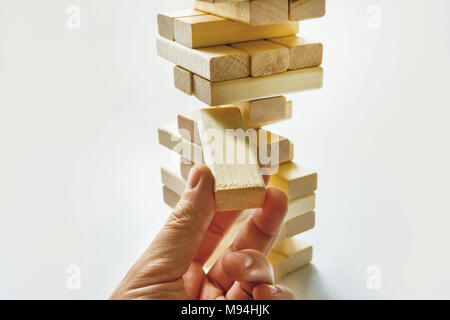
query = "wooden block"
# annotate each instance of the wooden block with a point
(259, 12)
(170, 197)
(263, 110)
(272, 149)
(289, 256)
(302, 53)
(301, 205)
(168, 137)
(183, 80)
(300, 224)
(165, 21)
(294, 180)
(209, 30)
(185, 167)
(172, 179)
(266, 57)
(238, 180)
(246, 89)
(215, 63)
(306, 9)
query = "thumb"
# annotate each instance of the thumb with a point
(174, 248)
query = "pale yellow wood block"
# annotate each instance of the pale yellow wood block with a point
(294, 180)
(256, 117)
(266, 57)
(185, 167)
(306, 9)
(246, 89)
(165, 21)
(301, 205)
(289, 256)
(168, 137)
(183, 80)
(172, 179)
(209, 30)
(214, 63)
(300, 224)
(302, 53)
(170, 197)
(260, 12)
(238, 180)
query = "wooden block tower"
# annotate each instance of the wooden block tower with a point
(239, 57)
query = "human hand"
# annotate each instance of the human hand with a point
(172, 267)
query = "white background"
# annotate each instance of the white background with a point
(79, 157)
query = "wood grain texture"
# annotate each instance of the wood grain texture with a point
(302, 53)
(306, 9)
(238, 180)
(215, 63)
(266, 57)
(209, 30)
(165, 21)
(246, 89)
(262, 112)
(294, 180)
(183, 80)
(260, 12)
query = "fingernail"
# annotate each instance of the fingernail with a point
(246, 258)
(274, 290)
(194, 178)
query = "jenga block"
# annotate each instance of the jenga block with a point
(246, 89)
(215, 63)
(173, 180)
(168, 137)
(165, 21)
(266, 57)
(300, 224)
(272, 149)
(302, 53)
(238, 180)
(209, 30)
(263, 110)
(301, 205)
(294, 180)
(259, 12)
(170, 197)
(289, 256)
(183, 80)
(306, 9)
(185, 167)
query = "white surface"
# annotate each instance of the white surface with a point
(79, 158)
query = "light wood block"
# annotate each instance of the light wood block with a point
(301, 205)
(294, 180)
(266, 57)
(209, 30)
(306, 9)
(289, 256)
(260, 12)
(263, 110)
(170, 197)
(165, 21)
(214, 63)
(185, 167)
(238, 180)
(172, 179)
(168, 137)
(246, 89)
(302, 53)
(272, 149)
(183, 80)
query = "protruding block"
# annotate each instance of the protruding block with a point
(306, 9)
(238, 180)
(289, 256)
(294, 180)
(266, 57)
(168, 137)
(170, 197)
(209, 30)
(260, 12)
(171, 178)
(263, 110)
(302, 53)
(165, 21)
(246, 89)
(185, 167)
(215, 63)
(183, 80)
